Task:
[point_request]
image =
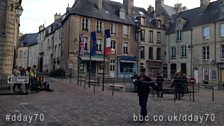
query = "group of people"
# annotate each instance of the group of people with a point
(37, 83)
(143, 82)
(179, 83)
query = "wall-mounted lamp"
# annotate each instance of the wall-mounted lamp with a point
(17, 6)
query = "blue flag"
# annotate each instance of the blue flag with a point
(93, 43)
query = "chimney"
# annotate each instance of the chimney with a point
(150, 9)
(68, 8)
(100, 4)
(57, 16)
(178, 7)
(159, 2)
(204, 4)
(128, 4)
(41, 27)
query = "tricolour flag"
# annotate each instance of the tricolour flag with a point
(108, 42)
(93, 43)
(81, 44)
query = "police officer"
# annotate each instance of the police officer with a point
(143, 82)
(177, 85)
(183, 84)
(159, 81)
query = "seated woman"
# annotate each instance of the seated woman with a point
(44, 84)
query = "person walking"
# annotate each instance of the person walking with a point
(143, 82)
(159, 81)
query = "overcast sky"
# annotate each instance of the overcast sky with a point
(37, 12)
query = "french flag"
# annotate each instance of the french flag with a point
(108, 42)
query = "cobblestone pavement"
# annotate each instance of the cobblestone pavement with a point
(72, 105)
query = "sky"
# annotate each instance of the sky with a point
(38, 12)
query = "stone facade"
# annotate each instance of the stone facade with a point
(8, 37)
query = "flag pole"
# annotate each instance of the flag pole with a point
(104, 58)
(80, 39)
(90, 62)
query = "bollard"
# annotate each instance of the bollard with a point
(94, 87)
(113, 89)
(213, 99)
(193, 92)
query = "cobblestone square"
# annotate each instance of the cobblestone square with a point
(72, 105)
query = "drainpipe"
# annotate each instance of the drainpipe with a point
(191, 52)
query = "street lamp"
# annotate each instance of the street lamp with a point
(18, 8)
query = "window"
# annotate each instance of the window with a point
(142, 52)
(173, 68)
(151, 53)
(113, 45)
(86, 43)
(126, 67)
(183, 51)
(99, 26)
(141, 65)
(125, 30)
(112, 65)
(158, 54)
(113, 28)
(158, 37)
(151, 36)
(158, 23)
(222, 30)
(99, 45)
(85, 24)
(222, 51)
(206, 52)
(205, 33)
(136, 36)
(179, 35)
(20, 53)
(183, 67)
(143, 35)
(173, 52)
(125, 48)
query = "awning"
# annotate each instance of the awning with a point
(127, 59)
(96, 58)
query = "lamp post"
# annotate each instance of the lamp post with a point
(137, 28)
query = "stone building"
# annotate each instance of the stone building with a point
(195, 42)
(9, 31)
(27, 50)
(101, 15)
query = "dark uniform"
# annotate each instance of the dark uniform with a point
(143, 83)
(159, 81)
(183, 85)
(177, 86)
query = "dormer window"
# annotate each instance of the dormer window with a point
(179, 35)
(122, 14)
(158, 23)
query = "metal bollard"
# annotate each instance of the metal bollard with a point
(213, 98)
(113, 89)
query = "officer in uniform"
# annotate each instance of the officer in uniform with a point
(177, 85)
(143, 82)
(159, 81)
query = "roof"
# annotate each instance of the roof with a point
(28, 39)
(110, 11)
(197, 16)
(169, 10)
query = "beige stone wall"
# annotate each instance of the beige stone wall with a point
(7, 43)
